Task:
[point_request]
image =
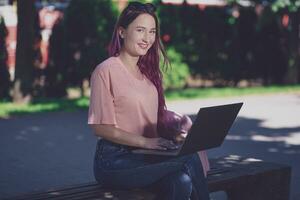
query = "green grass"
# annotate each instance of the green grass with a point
(192, 93)
(8, 109)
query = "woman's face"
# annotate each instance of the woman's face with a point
(139, 35)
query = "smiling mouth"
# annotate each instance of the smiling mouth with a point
(143, 46)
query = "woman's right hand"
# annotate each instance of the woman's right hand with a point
(160, 144)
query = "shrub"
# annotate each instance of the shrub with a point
(175, 77)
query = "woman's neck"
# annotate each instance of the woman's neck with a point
(129, 61)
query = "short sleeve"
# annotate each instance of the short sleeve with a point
(101, 109)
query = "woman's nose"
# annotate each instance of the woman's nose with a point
(146, 37)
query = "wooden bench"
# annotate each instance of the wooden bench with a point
(240, 178)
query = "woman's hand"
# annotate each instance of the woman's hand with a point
(179, 139)
(181, 129)
(160, 144)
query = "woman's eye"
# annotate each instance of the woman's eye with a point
(140, 30)
(152, 32)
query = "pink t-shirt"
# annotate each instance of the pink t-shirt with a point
(120, 99)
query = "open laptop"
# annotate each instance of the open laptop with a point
(208, 131)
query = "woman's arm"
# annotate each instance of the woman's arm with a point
(119, 136)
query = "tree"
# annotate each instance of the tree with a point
(89, 26)
(56, 71)
(22, 88)
(4, 74)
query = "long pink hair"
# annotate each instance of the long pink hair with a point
(149, 63)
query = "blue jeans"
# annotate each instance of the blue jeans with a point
(170, 177)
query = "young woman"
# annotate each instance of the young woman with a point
(127, 110)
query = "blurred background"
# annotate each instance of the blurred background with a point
(220, 50)
(211, 43)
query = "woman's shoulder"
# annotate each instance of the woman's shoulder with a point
(106, 66)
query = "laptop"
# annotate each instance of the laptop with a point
(208, 131)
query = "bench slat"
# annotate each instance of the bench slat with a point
(239, 177)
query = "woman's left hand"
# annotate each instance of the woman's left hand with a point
(183, 127)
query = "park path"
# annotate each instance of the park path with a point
(49, 150)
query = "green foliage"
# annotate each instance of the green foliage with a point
(220, 45)
(292, 5)
(175, 77)
(203, 37)
(276, 5)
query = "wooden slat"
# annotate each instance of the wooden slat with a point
(54, 193)
(225, 174)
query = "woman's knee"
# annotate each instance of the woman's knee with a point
(194, 160)
(183, 183)
(176, 186)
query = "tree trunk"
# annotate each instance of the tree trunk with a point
(298, 45)
(22, 88)
(4, 74)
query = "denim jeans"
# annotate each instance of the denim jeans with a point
(170, 177)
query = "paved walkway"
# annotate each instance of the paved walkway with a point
(49, 150)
